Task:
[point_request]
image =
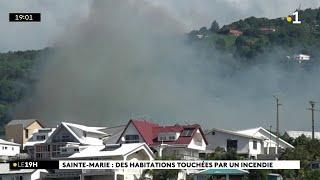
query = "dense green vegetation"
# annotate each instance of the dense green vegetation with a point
(261, 35)
(17, 75)
(306, 150)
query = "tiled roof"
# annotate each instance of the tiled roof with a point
(23, 122)
(147, 129)
(149, 132)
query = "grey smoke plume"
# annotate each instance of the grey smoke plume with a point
(129, 60)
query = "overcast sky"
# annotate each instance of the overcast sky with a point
(57, 15)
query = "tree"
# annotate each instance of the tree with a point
(214, 27)
(203, 30)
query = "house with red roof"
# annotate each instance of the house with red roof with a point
(182, 141)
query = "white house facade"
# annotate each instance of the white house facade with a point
(8, 149)
(249, 146)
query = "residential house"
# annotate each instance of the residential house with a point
(67, 139)
(253, 143)
(8, 149)
(21, 130)
(182, 141)
(269, 140)
(40, 136)
(235, 32)
(20, 174)
(246, 145)
(301, 57)
(129, 152)
(296, 134)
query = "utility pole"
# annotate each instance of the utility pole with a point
(277, 105)
(312, 103)
(270, 140)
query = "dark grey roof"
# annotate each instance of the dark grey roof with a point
(113, 130)
(23, 122)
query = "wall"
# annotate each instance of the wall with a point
(9, 150)
(131, 130)
(31, 128)
(194, 145)
(220, 140)
(255, 152)
(15, 132)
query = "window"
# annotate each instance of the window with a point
(213, 133)
(162, 138)
(232, 144)
(254, 144)
(187, 132)
(132, 138)
(172, 138)
(27, 133)
(5, 147)
(41, 137)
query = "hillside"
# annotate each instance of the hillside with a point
(248, 38)
(17, 76)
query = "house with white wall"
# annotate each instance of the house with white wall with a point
(249, 142)
(8, 149)
(247, 145)
(269, 140)
(182, 141)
